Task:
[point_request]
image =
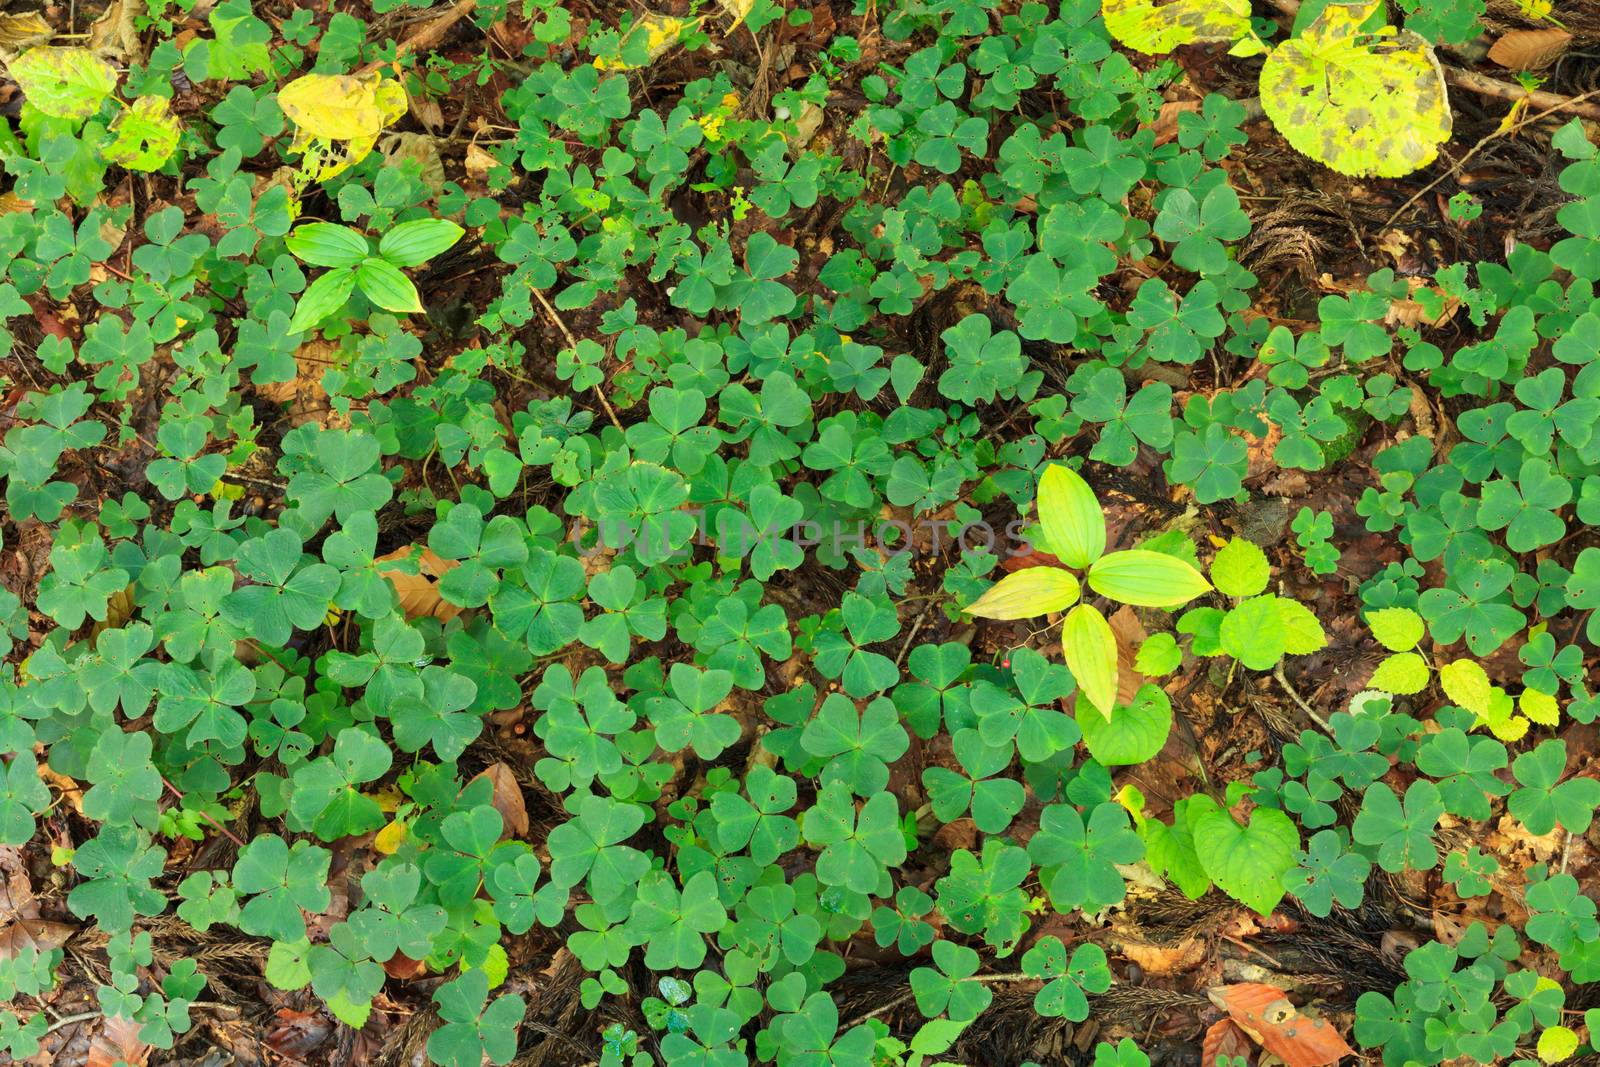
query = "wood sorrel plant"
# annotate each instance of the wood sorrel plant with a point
(1072, 528)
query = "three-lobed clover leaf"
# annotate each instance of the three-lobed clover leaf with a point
(1066, 981)
(475, 1028)
(858, 847)
(281, 883)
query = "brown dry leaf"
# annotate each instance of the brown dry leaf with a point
(1023, 560)
(404, 967)
(23, 30)
(303, 394)
(1264, 1012)
(1396, 243)
(422, 148)
(1287, 483)
(16, 892)
(806, 125)
(1129, 632)
(1224, 1039)
(479, 162)
(114, 34)
(507, 799)
(69, 789)
(1166, 124)
(41, 934)
(1162, 960)
(297, 1034)
(117, 1042)
(425, 109)
(1530, 49)
(119, 609)
(419, 593)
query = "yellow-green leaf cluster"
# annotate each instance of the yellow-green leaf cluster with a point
(646, 40)
(1073, 529)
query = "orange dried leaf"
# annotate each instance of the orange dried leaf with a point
(1265, 1013)
(419, 592)
(1530, 49)
(118, 1042)
(1224, 1039)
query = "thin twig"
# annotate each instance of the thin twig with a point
(1475, 149)
(428, 36)
(1277, 672)
(913, 634)
(68, 1020)
(572, 342)
(1484, 85)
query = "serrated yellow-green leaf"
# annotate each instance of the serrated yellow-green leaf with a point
(1074, 527)
(1361, 103)
(1501, 718)
(1240, 569)
(1557, 1043)
(1146, 579)
(66, 83)
(1090, 649)
(1026, 593)
(1403, 673)
(1467, 685)
(1158, 655)
(1542, 708)
(1397, 629)
(1302, 633)
(1145, 26)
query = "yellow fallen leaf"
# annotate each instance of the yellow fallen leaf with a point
(388, 840)
(739, 9)
(337, 118)
(650, 36)
(389, 799)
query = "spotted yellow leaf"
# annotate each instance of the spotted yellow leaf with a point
(1145, 26)
(646, 40)
(337, 118)
(1366, 104)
